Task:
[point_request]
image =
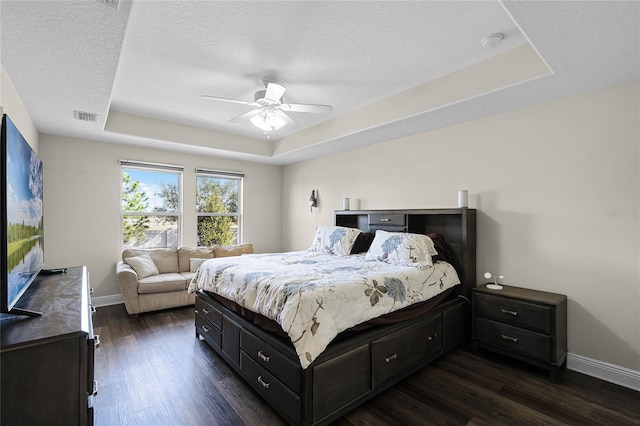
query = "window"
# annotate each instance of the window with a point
(218, 207)
(150, 205)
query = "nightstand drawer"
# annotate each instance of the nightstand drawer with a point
(514, 312)
(513, 339)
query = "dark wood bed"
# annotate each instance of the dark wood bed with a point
(355, 366)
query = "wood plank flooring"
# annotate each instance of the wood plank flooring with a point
(152, 370)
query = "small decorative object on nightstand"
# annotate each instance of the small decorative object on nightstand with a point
(524, 324)
(495, 285)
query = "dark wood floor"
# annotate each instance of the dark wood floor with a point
(152, 370)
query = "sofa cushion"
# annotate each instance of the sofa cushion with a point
(166, 259)
(143, 265)
(237, 250)
(187, 253)
(161, 283)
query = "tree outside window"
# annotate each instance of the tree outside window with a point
(218, 209)
(150, 207)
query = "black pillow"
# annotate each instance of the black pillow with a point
(362, 243)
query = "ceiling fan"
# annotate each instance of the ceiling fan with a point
(269, 113)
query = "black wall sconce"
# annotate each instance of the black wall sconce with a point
(313, 201)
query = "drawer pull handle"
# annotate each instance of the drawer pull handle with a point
(96, 340)
(506, 311)
(263, 356)
(263, 383)
(385, 219)
(435, 336)
(205, 328)
(206, 311)
(93, 310)
(512, 339)
(390, 358)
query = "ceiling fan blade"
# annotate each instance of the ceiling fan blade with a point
(245, 115)
(216, 98)
(274, 92)
(290, 121)
(317, 109)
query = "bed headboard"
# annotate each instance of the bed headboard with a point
(458, 226)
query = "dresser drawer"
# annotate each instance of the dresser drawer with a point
(265, 355)
(513, 339)
(514, 312)
(211, 334)
(387, 219)
(206, 310)
(404, 349)
(266, 384)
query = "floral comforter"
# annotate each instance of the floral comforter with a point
(315, 296)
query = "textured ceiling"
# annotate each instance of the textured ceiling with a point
(389, 69)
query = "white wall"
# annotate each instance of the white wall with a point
(82, 203)
(11, 104)
(558, 192)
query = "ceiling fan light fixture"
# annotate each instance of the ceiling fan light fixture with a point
(267, 121)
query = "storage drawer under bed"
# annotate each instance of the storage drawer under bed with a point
(405, 349)
(266, 355)
(209, 312)
(272, 389)
(209, 332)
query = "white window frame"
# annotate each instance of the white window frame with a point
(152, 167)
(223, 175)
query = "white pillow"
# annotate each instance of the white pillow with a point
(336, 240)
(143, 265)
(401, 248)
(195, 262)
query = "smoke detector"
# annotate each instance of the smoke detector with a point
(86, 116)
(492, 40)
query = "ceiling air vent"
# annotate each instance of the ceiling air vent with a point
(86, 116)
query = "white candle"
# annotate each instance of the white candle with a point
(345, 203)
(463, 198)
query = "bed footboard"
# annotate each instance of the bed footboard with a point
(349, 372)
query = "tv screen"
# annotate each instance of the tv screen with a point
(22, 254)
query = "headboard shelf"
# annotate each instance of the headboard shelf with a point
(457, 225)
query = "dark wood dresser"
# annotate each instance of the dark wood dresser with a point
(47, 361)
(527, 325)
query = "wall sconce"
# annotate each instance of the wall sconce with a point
(313, 201)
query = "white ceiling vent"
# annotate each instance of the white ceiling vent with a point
(86, 116)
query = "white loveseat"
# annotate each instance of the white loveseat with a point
(154, 279)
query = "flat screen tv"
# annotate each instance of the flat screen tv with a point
(22, 252)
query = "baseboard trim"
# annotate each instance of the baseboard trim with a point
(605, 371)
(113, 299)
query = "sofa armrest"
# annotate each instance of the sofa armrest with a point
(128, 282)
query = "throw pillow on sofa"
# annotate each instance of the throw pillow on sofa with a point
(143, 265)
(195, 262)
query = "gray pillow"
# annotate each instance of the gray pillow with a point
(143, 265)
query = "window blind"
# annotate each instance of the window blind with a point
(219, 173)
(142, 164)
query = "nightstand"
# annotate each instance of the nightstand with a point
(524, 324)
